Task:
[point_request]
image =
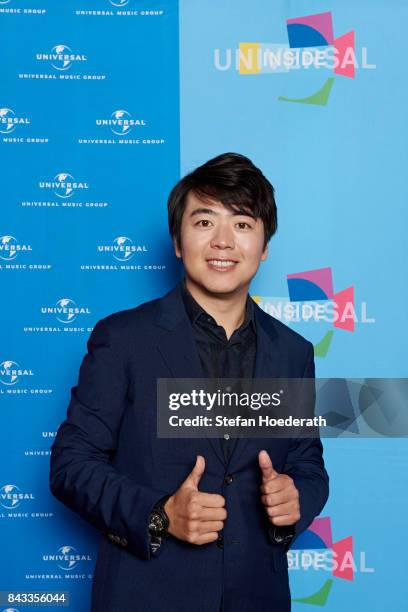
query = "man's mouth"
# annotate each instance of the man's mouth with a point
(221, 264)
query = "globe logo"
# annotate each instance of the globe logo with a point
(122, 127)
(9, 609)
(8, 249)
(9, 495)
(62, 61)
(5, 2)
(8, 372)
(67, 315)
(119, 2)
(69, 558)
(124, 251)
(64, 188)
(7, 117)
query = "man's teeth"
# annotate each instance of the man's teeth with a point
(224, 264)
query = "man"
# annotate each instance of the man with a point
(191, 524)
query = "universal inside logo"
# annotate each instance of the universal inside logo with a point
(312, 299)
(315, 552)
(311, 44)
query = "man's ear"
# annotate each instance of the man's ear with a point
(264, 253)
(176, 248)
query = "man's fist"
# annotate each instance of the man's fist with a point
(280, 496)
(194, 516)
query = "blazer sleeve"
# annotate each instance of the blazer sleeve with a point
(81, 474)
(305, 464)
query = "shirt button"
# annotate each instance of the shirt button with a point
(220, 542)
(226, 436)
(228, 479)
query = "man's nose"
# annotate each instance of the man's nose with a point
(223, 237)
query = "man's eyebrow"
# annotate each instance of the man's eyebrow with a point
(203, 211)
(210, 211)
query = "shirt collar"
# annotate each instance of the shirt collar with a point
(195, 311)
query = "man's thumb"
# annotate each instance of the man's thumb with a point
(194, 477)
(265, 463)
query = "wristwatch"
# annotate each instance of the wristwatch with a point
(284, 534)
(158, 520)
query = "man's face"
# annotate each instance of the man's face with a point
(221, 249)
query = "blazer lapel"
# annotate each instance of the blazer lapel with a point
(178, 348)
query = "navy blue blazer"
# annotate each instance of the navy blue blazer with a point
(108, 465)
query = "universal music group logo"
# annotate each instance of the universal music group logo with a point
(70, 192)
(12, 373)
(122, 250)
(72, 316)
(121, 127)
(65, 63)
(11, 248)
(10, 122)
(10, 7)
(18, 503)
(119, 8)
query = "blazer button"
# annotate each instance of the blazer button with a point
(228, 479)
(220, 542)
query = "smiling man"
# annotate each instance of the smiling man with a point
(192, 524)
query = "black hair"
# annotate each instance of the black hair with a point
(236, 182)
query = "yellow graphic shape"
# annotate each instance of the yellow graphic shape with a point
(249, 58)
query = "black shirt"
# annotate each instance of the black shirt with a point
(222, 357)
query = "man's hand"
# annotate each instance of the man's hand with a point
(280, 496)
(194, 516)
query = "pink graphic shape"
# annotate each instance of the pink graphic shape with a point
(343, 550)
(344, 307)
(323, 278)
(342, 45)
(322, 528)
(322, 22)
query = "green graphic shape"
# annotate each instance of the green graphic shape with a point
(322, 348)
(319, 598)
(319, 98)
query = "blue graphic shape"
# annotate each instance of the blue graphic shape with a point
(301, 290)
(308, 540)
(304, 36)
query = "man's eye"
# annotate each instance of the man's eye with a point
(241, 223)
(203, 221)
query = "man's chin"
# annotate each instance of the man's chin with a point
(220, 286)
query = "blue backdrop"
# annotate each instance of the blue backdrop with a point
(103, 106)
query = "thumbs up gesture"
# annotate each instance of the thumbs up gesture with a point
(194, 516)
(279, 494)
